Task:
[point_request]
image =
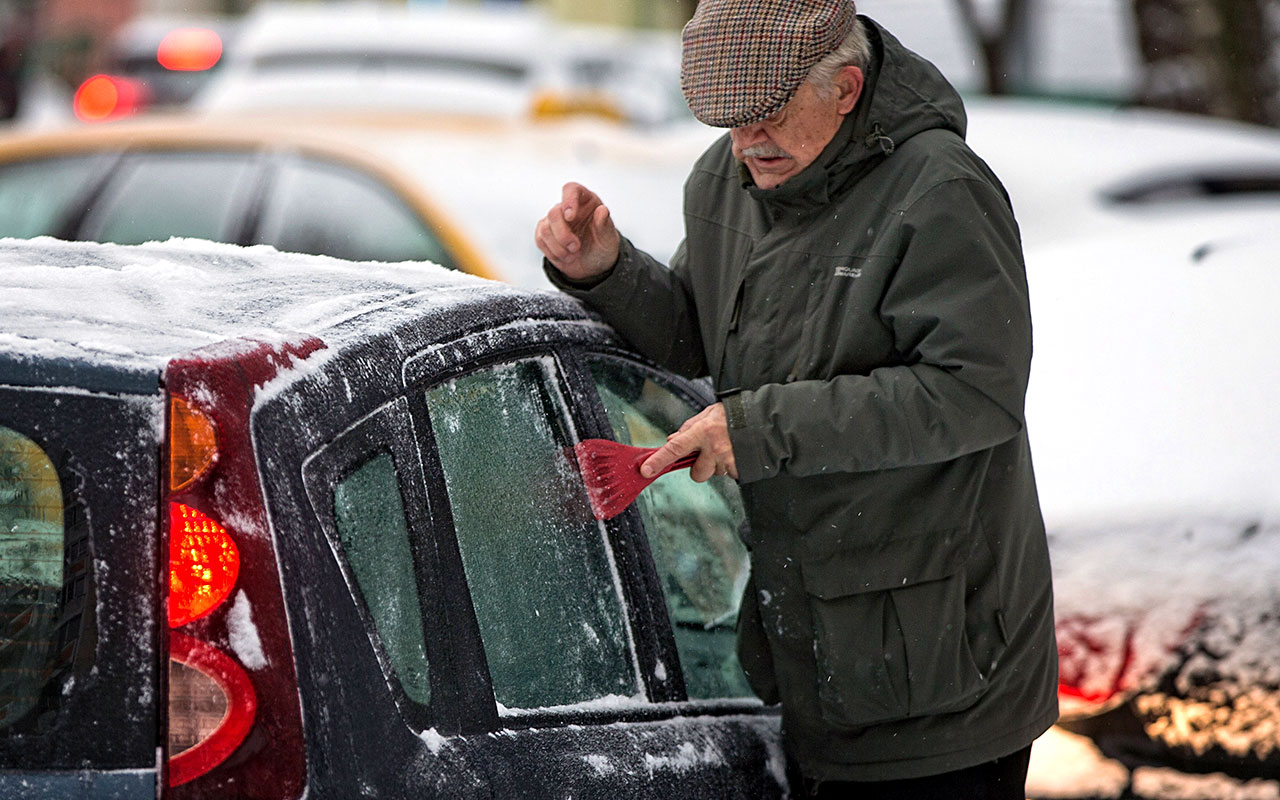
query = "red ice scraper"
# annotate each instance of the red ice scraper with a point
(611, 472)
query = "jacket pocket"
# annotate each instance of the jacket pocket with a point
(889, 624)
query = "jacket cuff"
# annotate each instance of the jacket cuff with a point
(598, 288)
(746, 436)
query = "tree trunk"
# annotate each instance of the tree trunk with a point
(1001, 44)
(1209, 57)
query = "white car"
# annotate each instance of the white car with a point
(501, 61)
(1082, 172)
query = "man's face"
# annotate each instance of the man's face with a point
(784, 144)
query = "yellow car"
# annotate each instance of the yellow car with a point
(463, 192)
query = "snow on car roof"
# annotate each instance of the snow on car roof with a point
(131, 307)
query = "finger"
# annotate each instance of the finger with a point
(664, 457)
(601, 221)
(575, 198)
(704, 467)
(549, 244)
(560, 229)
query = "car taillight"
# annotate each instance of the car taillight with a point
(203, 564)
(193, 444)
(189, 49)
(104, 97)
(212, 706)
(212, 703)
(235, 715)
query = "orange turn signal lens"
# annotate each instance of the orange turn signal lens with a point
(204, 563)
(193, 444)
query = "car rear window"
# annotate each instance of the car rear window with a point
(31, 577)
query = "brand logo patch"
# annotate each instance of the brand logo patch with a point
(848, 272)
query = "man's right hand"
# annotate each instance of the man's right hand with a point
(577, 235)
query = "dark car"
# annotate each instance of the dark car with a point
(275, 525)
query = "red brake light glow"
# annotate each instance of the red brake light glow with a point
(212, 707)
(203, 564)
(104, 97)
(189, 49)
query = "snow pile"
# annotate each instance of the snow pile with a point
(245, 642)
(1068, 765)
(1166, 784)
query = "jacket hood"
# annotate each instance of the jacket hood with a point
(903, 95)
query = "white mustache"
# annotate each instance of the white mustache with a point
(764, 151)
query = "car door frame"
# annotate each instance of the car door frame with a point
(570, 344)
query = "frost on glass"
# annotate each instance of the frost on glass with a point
(375, 538)
(693, 534)
(31, 567)
(541, 577)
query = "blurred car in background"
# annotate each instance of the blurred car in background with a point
(1079, 172)
(281, 526)
(156, 63)
(1151, 244)
(507, 60)
(460, 192)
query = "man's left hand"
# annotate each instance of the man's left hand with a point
(706, 433)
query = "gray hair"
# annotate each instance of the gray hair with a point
(854, 51)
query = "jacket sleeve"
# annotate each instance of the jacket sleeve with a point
(649, 304)
(958, 310)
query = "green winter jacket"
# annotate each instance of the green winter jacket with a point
(868, 324)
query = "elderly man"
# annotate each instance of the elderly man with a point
(852, 280)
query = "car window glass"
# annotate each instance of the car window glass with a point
(158, 195)
(31, 575)
(692, 530)
(539, 568)
(327, 209)
(35, 196)
(374, 535)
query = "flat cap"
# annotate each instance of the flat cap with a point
(742, 60)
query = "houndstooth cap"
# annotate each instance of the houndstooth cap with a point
(742, 60)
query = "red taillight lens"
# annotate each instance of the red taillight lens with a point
(189, 49)
(212, 707)
(104, 97)
(203, 564)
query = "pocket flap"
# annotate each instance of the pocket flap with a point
(832, 569)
